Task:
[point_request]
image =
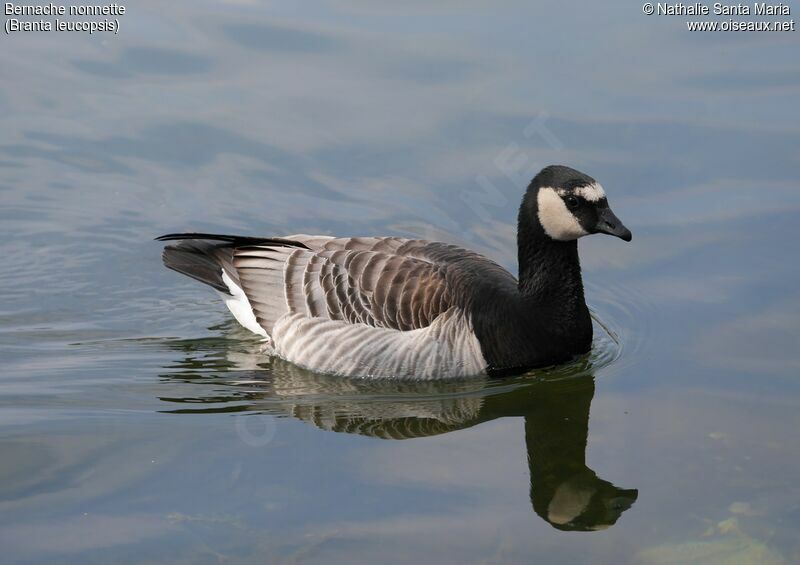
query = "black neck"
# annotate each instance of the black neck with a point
(549, 270)
(545, 320)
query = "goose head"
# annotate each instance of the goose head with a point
(568, 204)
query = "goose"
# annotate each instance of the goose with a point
(389, 307)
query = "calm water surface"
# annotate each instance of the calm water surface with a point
(138, 424)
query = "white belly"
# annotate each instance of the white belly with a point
(446, 349)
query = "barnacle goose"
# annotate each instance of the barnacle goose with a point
(409, 308)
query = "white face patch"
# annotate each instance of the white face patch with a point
(558, 222)
(568, 502)
(593, 192)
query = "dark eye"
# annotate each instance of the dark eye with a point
(572, 202)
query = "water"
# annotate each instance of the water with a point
(138, 424)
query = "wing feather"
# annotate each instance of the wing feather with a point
(381, 282)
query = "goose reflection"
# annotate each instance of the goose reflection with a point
(555, 405)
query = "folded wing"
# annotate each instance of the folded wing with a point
(380, 282)
(384, 282)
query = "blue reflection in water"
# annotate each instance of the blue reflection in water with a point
(412, 119)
